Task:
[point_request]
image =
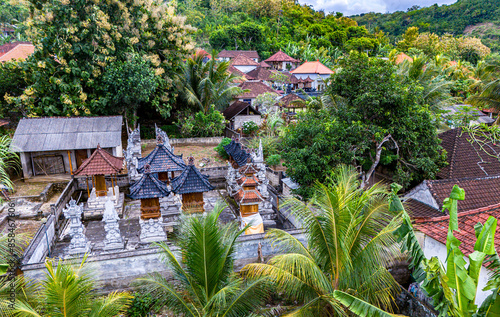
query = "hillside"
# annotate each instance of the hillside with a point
(479, 18)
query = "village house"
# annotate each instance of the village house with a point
(16, 51)
(242, 76)
(60, 145)
(253, 89)
(243, 63)
(240, 112)
(281, 61)
(432, 236)
(315, 71)
(229, 55)
(291, 104)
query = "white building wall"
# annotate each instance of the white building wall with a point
(239, 120)
(245, 68)
(318, 79)
(432, 247)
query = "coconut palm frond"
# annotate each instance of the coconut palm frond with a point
(112, 305)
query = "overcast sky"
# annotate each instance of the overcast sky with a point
(350, 7)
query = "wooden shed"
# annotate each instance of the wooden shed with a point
(60, 145)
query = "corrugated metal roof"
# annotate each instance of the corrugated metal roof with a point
(67, 133)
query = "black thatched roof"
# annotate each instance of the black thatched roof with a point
(149, 186)
(238, 154)
(191, 181)
(161, 160)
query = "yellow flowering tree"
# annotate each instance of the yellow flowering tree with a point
(77, 41)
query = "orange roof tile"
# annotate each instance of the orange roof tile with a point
(242, 60)
(100, 163)
(254, 88)
(16, 51)
(402, 57)
(437, 228)
(312, 68)
(281, 56)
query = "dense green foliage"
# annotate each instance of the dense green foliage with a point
(249, 127)
(220, 148)
(273, 160)
(77, 43)
(346, 229)
(371, 110)
(452, 19)
(270, 25)
(206, 283)
(8, 160)
(201, 124)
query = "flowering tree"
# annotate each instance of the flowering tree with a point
(76, 42)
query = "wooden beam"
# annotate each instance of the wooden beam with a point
(88, 191)
(70, 164)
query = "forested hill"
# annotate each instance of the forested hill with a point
(479, 18)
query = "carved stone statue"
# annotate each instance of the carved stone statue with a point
(152, 230)
(162, 135)
(113, 239)
(79, 243)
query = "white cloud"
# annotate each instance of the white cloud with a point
(350, 7)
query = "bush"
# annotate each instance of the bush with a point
(270, 145)
(273, 160)
(249, 127)
(220, 148)
(171, 130)
(202, 124)
(141, 305)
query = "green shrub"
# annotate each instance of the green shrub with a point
(273, 160)
(141, 305)
(249, 127)
(171, 130)
(270, 145)
(220, 148)
(202, 124)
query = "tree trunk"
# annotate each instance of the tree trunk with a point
(366, 176)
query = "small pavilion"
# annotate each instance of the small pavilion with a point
(162, 161)
(191, 184)
(97, 166)
(149, 189)
(248, 198)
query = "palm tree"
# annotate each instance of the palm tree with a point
(203, 84)
(70, 291)
(489, 95)
(350, 242)
(208, 285)
(8, 160)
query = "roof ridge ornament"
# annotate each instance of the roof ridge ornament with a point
(190, 160)
(147, 168)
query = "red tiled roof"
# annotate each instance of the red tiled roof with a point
(437, 228)
(261, 73)
(233, 54)
(239, 73)
(291, 78)
(16, 50)
(236, 108)
(255, 88)
(202, 52)
(468, 158)
(100, 163)
(248, 169)
(248, 196)
(479, 192)
(291, 101)
(312, 68)
(281, 56)
(4, 122)
(264, 65)
(417, 209)
(248, 181)
(402, 57)
(242, 60)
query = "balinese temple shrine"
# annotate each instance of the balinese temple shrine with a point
(191, 184)
(162, 161)
(95, 169)
(149, 189)
(237, 155)
(249, 198)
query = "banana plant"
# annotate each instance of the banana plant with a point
(454, 284)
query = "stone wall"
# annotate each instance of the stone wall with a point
(188, 141)
(274, 177)
(409, 305)
(41, 243)
(65, 197)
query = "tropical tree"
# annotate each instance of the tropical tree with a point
(489, 96)
(453, 285)
(349, 243)
(207, 283)
(202, 84)
(8, 160)
(70, 291)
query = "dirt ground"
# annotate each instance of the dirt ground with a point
(27, 189)
(202, 154)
